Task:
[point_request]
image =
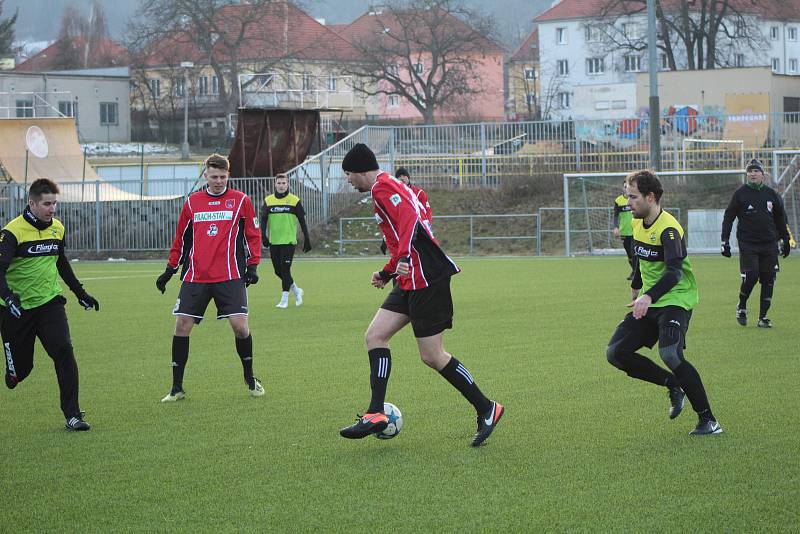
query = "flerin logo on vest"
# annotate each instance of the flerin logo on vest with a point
(229, 203)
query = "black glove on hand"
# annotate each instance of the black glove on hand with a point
(250, 275)
(725, 249)
(306, 245)
(265, 242)
(785, 248)
(86, 300)
(13, 304)
(161, 281)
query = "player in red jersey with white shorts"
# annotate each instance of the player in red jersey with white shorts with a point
(420, 297)
(218, 242)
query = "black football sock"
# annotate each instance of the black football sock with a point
(180, 354)
(643, 368)
(455, 373)
(692, 385)
(244, 347)
(380, 367)
(749, 280)
(767, 285)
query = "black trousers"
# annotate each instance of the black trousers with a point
(48, 322)
(282, 256)
(627, 244)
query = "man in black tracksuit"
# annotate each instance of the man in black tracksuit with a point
(762, 222)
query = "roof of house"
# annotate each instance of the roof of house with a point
(579, 9)
(529, 49)
(282, 31)
(375, 23)
(104, 53)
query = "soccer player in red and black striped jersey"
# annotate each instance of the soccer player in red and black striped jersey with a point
(219, 245)
(421, 296)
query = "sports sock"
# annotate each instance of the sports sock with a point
(180, 354)
(459, 377)
(749, 280)
(767, 285)
(692, 385)
(244, 347)
(380, 367)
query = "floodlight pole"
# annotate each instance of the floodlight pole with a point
(655, 111)
(185, 146)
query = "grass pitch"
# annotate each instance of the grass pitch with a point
(581, 448)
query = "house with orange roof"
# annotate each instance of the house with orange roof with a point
(524, 90)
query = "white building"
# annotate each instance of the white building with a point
(587, 73)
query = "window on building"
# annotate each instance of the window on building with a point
(592, 33)
(215, 85)
(791, 109)
(419, 67)
(306, 81)
(619, 104)
(202, 85)
(776, 64)
(740, 60)
(108, 114)
(774, 33)
(530, 100)
(595, 65)
(633, 63)
(791, 33)
(392, 69)
(561, 36)
(740, 29)
(630, 30)
(563, 67)
(155, 87)
(180, 87)
(394, 101)
(564, 100)
(65, 108)
(332, 82)
(530, 74)
(664, 62)
(793, 64)
(24, 109)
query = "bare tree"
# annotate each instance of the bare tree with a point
(703, 33)
(83, 39)
(548, 99)
(424, 52)
(7, 31)
(215, 33)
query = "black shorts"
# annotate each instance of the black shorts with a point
(229, 296)
(48, 322)
(659, 324)
(430, 309)
(758, 257)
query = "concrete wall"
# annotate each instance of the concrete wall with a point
(85, 92)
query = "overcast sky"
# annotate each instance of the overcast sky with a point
(513, 16)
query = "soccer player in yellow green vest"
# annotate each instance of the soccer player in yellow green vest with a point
(622, 225)
(32, 259)
(280, 214)
(664, 292)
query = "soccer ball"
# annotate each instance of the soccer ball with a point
(395, 421)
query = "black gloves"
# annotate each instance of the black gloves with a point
(13, 304)
(86, 300)
(306, 245)
(161, 281)
(725, 249)
(265, 242)
(250, 276)
(785, 248)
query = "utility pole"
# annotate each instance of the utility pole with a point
(185, 146)
(655, 107)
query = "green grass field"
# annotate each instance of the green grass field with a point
(582, 447)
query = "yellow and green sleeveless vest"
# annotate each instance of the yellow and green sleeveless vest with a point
(625, 216)
(282, 219)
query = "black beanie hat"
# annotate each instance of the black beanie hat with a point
(360, 159)
(402, 171)
(755, 165)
